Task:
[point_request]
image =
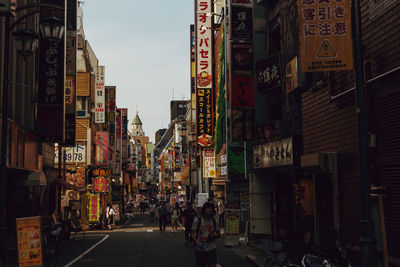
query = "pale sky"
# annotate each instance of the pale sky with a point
(145, 48)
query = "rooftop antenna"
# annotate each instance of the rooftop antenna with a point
(173, 93)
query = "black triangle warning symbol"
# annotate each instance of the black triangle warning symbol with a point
(326, 50)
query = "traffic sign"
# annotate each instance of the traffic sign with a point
(325, 35)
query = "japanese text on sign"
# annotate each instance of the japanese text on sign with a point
(277, 153)
(99, 96)
(204, 44)
(325, 35)
(204, 117)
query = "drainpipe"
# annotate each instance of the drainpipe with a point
(367, 239)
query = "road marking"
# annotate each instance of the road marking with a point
(86, 252)
(140, 231)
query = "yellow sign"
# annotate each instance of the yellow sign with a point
(94, 207)
(325, 35)
(29, 241)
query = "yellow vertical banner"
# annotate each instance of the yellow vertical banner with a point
(94, 207)
(325, 35)
(29, 241)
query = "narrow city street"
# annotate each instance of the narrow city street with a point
(138, 244)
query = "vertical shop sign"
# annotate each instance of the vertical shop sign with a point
(209, 163)
(111, 124)
(204, 75)
(242, 91)
(193, 66)
(99, 96)
(50, 112)
(118, 141)
(100, 185)
(70, 110)
(292, 77)
(94, 207)
(101, 148)
(236, 162)
(242, 22)
(325, 35)
(242, 58)
(124, 125)
(70, 56)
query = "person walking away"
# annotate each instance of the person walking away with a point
(142, 207)
(152, 209)
(205, 231)
(221, 213)
(162, 216)
(188, 217)
(111, 214)
(174, 218)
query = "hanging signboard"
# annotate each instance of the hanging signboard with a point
(292, 77)
(268, 74)
(273, 154)
(236, 162)
(50, 113)
(76, 178)
(99, 96)
(208, 163)
(101, 148)
(94, 207)
(325, 35)
(100, 185)
(242, 22)
(70, 110)
(29, 241)
(76, 154)
(204, 75)
(242, 91)
(193, 67)
(242, 58)
(248, 3)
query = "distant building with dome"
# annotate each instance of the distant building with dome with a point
(137, 126)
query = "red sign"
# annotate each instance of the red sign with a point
(242, 91)
(100, 185)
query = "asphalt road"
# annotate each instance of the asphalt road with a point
(139, 244)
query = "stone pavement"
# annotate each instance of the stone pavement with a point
(250, 251)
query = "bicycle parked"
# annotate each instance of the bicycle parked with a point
(278, 257)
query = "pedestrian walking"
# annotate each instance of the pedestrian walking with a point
(169, 211)
(205, 231)
(175, 214)
(152, 208)
(221, 213)
(111, 213)
(162, 216)
(188, 217)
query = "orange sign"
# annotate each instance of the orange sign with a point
(325, 35)
(29, 241)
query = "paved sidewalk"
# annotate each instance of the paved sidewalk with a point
(250, 252)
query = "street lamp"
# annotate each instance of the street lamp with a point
(26, 43)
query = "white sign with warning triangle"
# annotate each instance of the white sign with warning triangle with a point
(326, 50)
(325, 35)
